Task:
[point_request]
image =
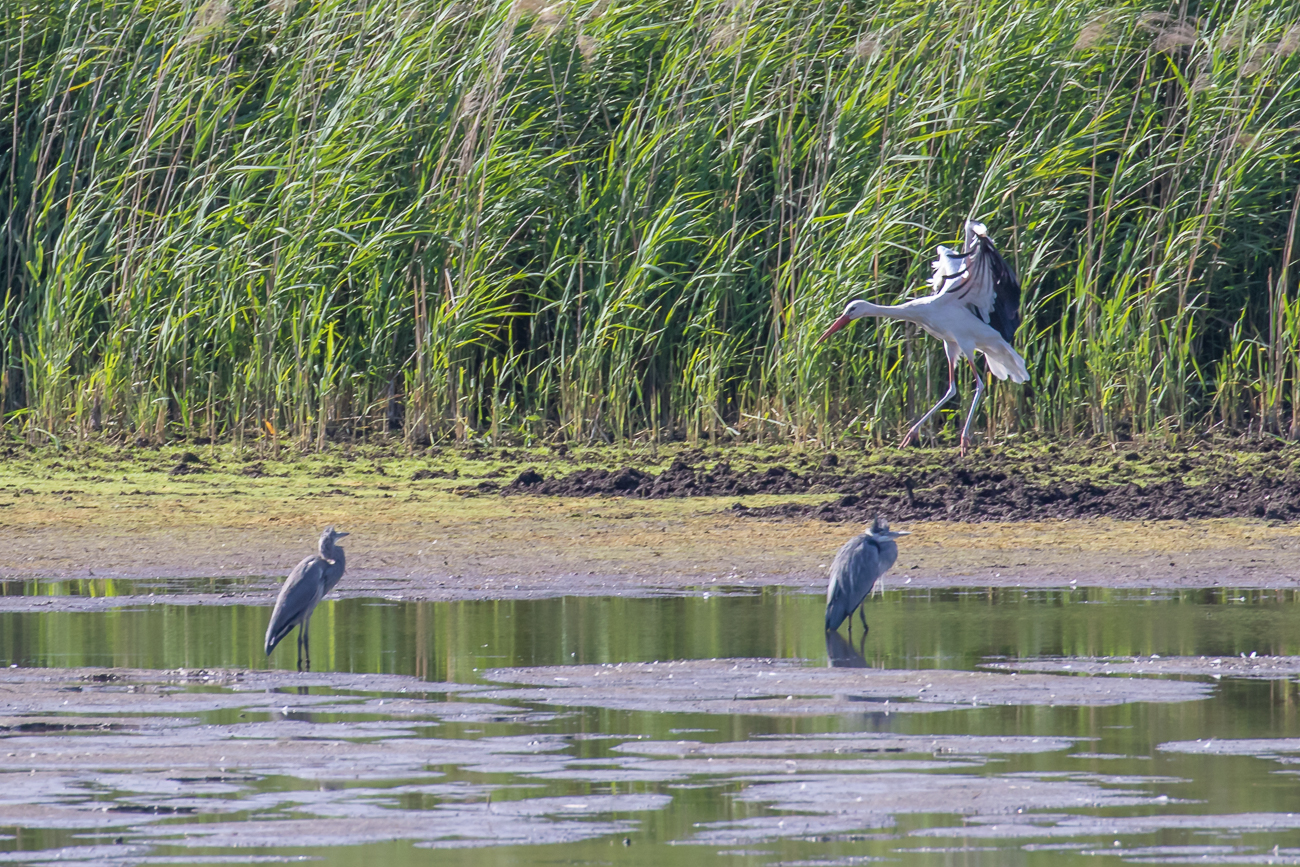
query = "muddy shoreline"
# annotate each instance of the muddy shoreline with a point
(524, 555)
(514, 523)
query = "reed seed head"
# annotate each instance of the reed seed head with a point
(207, 19)
(869, 45)
(1093, 32)
(1174, 37)
(548, 19)
(1290, 41)
(587, 47)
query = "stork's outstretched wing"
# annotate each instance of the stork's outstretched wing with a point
(981, 278)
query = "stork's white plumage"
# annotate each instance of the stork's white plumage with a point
(975, 306)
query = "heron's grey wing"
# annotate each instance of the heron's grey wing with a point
(986, 286)
(865, 568)
(852, 577)
(300, 592)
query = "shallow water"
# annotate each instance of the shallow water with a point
(474, 746)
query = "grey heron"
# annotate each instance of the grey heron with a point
(306, 585)
(854, 571)
(975, 305)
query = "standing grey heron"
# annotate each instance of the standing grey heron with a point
(861, 561)
(306, 585)
(975, 305)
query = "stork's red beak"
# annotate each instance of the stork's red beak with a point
(835, 326)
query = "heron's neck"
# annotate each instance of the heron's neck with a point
(330, 551)
(334, 571)
(906, 311)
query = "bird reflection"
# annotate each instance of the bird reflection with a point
(292, 713)
(287, 714)
(841, 654)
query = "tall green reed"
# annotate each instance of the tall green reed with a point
(292, 221)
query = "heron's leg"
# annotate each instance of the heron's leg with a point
(862, 615)
(953, 354)
(979, 391)
(304, 651)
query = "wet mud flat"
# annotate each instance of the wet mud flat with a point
(523, 706)
(784, 687)
(1252, 666)
(148, 737)
(246, 764)
(525, 728)
(148, 730)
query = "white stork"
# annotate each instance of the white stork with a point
(975, 305)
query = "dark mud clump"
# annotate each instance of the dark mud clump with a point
(1096, 483)
(681, 479)
(426, 474)
(187, 463)
(996, 496)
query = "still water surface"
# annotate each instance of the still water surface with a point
(637, 782)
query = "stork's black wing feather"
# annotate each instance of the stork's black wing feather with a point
(1005, 315)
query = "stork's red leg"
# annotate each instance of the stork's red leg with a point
(979, 392)
(948, 395)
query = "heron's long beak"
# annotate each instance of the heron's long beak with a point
(835, 326)
(338, 535)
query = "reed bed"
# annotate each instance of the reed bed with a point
(300, 220)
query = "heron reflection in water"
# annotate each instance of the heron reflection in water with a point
(841, 654)
(855, 570)
(306, 585)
